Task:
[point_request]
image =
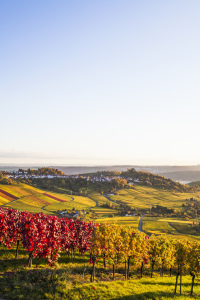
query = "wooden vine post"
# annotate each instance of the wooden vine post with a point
(177, 275)
(113, 271)
(193, 277)
(129, 258)
(93, 269)
(30, 259)
(142, 269)
(152, 268)
(17, 249)
(125, 270)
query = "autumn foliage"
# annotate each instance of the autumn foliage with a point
(43, 235)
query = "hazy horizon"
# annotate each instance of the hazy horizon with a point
(100, 83)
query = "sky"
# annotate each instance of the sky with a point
(100, 82)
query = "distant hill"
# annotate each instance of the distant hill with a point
(195, 183)
(183, 174)
(92, 169)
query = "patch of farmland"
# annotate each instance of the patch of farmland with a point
(124, 221)
(84, 200)
(37, 200)
(19, 205)
(3, 200)
(185, 228)
(172, 220)
(100, 199)
(61, 196)
(54, 197)
(142, 196)
(18, 191)
(30, 199)
(156, 226)
(79, 203)
(7, 195)
(104, 210)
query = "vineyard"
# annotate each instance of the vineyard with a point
(106, 250)
(142, 196)
(27, 198)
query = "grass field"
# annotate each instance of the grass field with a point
(71, 281)
(142, 196)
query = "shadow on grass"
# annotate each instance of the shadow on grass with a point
(152, 296)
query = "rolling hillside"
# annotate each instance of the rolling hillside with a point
(141, 197)
(24, 197)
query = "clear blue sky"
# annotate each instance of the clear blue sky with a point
(100, 82)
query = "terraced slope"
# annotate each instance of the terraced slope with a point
(24, 197)
(142, 196)
(77, 202)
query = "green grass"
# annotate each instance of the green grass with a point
(134, 289)
(72, 280)
(56, 285)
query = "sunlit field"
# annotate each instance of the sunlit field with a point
(125, 221)
(29, 198)
(172, 226)
(103, 211)
(141, 197)
(78, 203)
(72, 280)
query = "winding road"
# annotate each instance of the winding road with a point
(140, 223)
(110, 199)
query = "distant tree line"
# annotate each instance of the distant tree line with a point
(42, 171)
(78, 185)
(4, 179)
